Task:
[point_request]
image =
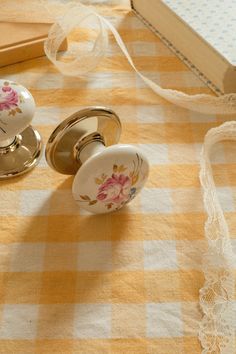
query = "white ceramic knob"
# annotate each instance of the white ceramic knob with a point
(20, 144)
(107, 175)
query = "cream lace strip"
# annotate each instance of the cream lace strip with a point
(216, 297)
(216, 328)
(83, 62)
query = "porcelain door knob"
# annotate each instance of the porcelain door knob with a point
(107, 175)
(20, 144)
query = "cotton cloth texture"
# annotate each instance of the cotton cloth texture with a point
(126, 282)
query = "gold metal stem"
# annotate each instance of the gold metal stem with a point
(11, 147)
(83, 143)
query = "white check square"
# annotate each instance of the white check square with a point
(160, 254)
(156, 200)
(157, 154)
(19, 322)
(35, 202)
(150, 114)
(47, 116)
(164, 320)
(92, 321)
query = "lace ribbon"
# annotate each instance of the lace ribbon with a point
(84, 62)
(216, 297)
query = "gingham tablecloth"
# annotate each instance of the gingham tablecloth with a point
(126, 282)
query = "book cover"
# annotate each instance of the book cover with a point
(202, 33)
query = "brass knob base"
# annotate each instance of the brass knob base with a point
(74, 133)
(22, 155)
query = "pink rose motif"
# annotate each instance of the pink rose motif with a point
(8, 98)
(115, 189)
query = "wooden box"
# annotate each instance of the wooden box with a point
(23, 41)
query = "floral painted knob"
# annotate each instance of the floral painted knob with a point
(20, 144)
(107, 175)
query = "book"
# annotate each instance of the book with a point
(23, 41)
(202, 33)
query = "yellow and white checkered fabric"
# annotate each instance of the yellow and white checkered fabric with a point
(126, 282)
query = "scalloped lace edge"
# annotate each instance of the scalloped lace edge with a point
(216, 330)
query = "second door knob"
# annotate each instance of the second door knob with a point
(107, 175)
